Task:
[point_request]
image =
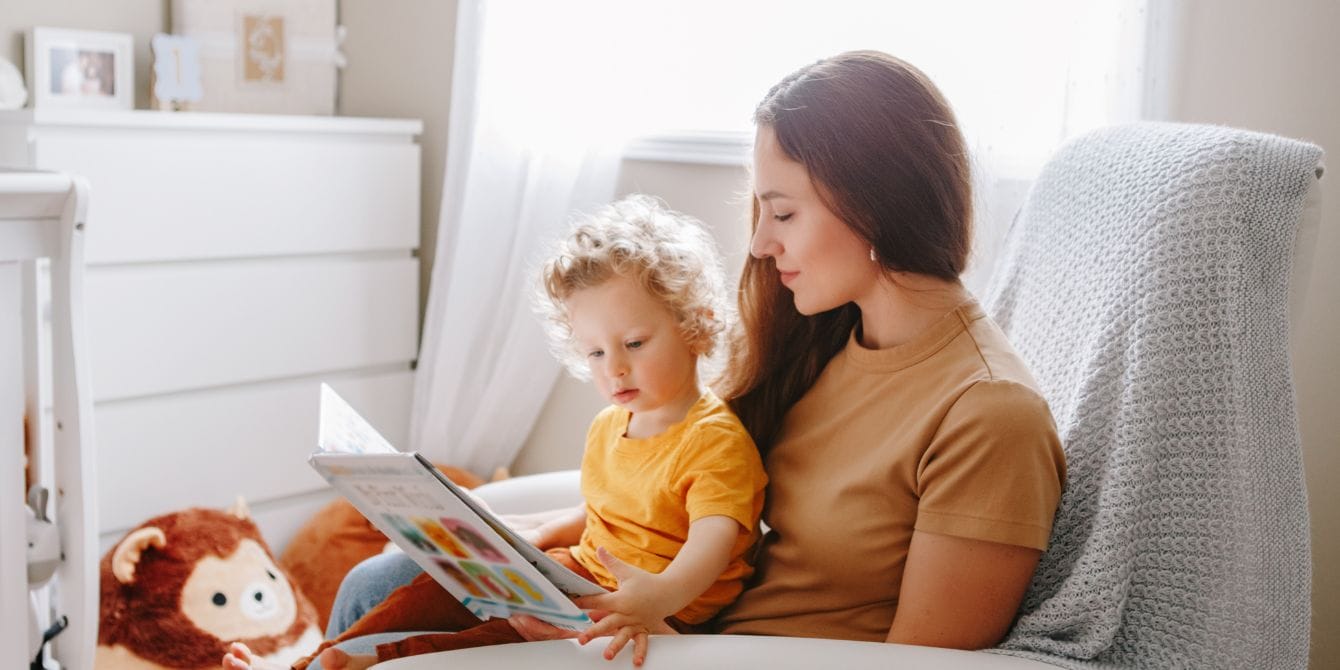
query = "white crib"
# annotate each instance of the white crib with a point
(42, 216)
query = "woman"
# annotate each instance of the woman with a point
(914, 468)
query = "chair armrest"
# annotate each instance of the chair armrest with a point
(552, 490)
(533, 493)
(723, 652)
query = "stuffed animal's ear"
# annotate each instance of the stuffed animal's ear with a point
(239, 509)
(127, 554)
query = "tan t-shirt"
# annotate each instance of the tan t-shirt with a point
(945, 434)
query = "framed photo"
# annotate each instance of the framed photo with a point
(81, 69)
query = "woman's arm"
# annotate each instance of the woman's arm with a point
(960, 593)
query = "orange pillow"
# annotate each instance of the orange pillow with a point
(336, 539)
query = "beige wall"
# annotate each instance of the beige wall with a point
(141, 18)
(1271, 67)
(400, 56)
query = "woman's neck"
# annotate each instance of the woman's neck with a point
(903, 305)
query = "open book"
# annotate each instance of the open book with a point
(473, 555)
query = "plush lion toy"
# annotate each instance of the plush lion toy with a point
(177, 590)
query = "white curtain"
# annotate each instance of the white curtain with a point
(546, 93)
(525, 150)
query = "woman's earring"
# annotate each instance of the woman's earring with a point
(872, 255)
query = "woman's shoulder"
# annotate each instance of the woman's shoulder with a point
(995, 360)
(993, 383)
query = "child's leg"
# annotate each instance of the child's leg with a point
(424, 605)
(491, 632)
(563, 556)
(420, 605)
(367, 585)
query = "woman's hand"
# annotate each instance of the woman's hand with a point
(535, 630)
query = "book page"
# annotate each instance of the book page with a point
(343, 430)
(566, 580)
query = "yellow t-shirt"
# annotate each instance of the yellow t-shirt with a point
(945, 434)
(642, 494)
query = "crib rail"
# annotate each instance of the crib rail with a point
(42, 216)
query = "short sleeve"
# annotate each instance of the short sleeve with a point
(721, 473)
(994, 469)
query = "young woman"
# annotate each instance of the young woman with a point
(914, 469)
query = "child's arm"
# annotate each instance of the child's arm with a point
(644, 599)
(554, 528)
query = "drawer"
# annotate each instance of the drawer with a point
(163, 328)
(177, 196)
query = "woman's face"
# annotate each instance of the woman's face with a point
(820, 259)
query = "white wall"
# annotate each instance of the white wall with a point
(1271, 67)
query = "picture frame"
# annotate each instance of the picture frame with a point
(264, 56)
(175, 77)
(80, 69)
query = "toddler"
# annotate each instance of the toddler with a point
(673, 485)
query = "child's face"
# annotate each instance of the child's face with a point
(638, 357)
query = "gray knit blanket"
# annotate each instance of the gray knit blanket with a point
(1145, 282)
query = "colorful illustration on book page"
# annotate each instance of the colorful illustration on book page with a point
(525, 587)
(471, 537)
(491, 582)
(409, 532)
(459, 577)
(441, 537)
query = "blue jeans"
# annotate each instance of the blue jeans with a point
(365, 587)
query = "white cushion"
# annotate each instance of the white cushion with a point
(533, 493)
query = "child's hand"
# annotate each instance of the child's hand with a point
(634, 631)
(636, 609)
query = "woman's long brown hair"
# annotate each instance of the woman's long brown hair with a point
(886, 156)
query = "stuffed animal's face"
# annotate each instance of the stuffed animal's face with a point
(179, 588)
(240, 596)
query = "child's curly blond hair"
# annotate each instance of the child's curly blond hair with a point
(671, 255)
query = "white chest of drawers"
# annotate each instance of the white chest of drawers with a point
(234, 262)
